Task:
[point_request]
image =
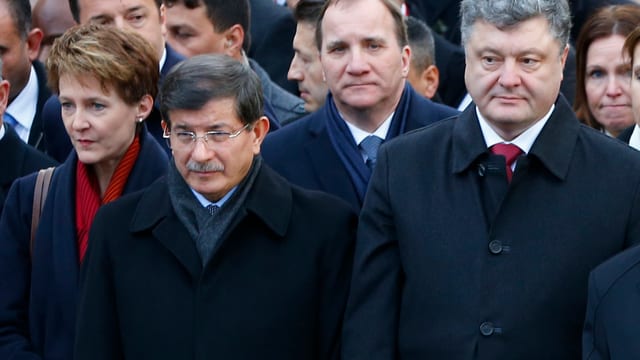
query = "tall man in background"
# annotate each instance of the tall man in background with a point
(365, 58)
(478, 233)
(20, 45)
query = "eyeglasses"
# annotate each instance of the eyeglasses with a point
(187, 139)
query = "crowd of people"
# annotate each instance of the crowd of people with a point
(319, 179)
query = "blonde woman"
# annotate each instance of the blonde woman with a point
(106, 80)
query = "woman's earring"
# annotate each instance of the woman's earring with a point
(139, 119)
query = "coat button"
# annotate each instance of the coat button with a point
(481, 170)
(486, 328)
(495, 247)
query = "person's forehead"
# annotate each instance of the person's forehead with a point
(6, 20)
(358, 17)
(91, 8)
(221, 111)
(53, 17)
(304, 35)
(529, 33)
(179, 14)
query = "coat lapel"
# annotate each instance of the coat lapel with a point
(155, 214)
(327, 167)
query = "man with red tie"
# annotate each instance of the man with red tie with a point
(478, 233)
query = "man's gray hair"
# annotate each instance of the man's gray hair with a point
(194, 82)
(507, 13)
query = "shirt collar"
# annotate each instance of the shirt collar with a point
(524, 141)
(23, 107)
(381, 132)
(204, 202)
(163, 58)
(634, 140)
(2, 131)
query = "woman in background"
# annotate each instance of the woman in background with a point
(603, 72)
(106, 80)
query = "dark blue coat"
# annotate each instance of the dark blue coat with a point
(611, 329)
(452, 262)
(303, 153)
(275, 287)
(38, 292)
(18, 159)
(57, 142)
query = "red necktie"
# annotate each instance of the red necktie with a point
(510, 153)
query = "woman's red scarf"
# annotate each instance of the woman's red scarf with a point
(88, 193)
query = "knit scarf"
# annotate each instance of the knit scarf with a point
(346, 147)
(88, 193)
(207, 231)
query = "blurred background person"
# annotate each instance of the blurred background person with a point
(305, 67)
(424, 75)
(603, 72)
(92, 69)
(365, 58)
(146, 18)
(53, 17)
(19, 47)
(272, 30)
(197, 27)
(631, 135)
(18, 158)
(613, 314)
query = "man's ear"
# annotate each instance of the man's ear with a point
(260, 130)
(406, 61)
(34, 38)
(163, 20)
(165, 126)
(431, 79)
(234, 40)
(4, 97)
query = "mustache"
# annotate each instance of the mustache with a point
(204, 167)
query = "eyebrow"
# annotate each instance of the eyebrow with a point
(100, 17)
(135, 8)
(335, 43)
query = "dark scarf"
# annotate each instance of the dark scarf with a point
(206, 230)
(346, 147)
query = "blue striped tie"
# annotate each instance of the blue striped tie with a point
(370, 146)
(212, 209)
(9, 120)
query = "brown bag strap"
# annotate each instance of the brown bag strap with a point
(39, 197)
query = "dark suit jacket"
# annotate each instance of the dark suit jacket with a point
(38, 292)
(454, 263)
(303, 153)
(625, 135)
(275, 287)
(441, 15)
(18, 159)
(272, 30)
(57, 142)
(450, 62)
(36, 134)
(613, 314)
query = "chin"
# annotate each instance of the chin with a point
(88, 158)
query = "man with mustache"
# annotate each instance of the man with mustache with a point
(222, 259)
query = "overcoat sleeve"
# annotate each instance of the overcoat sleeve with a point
(15, 272)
